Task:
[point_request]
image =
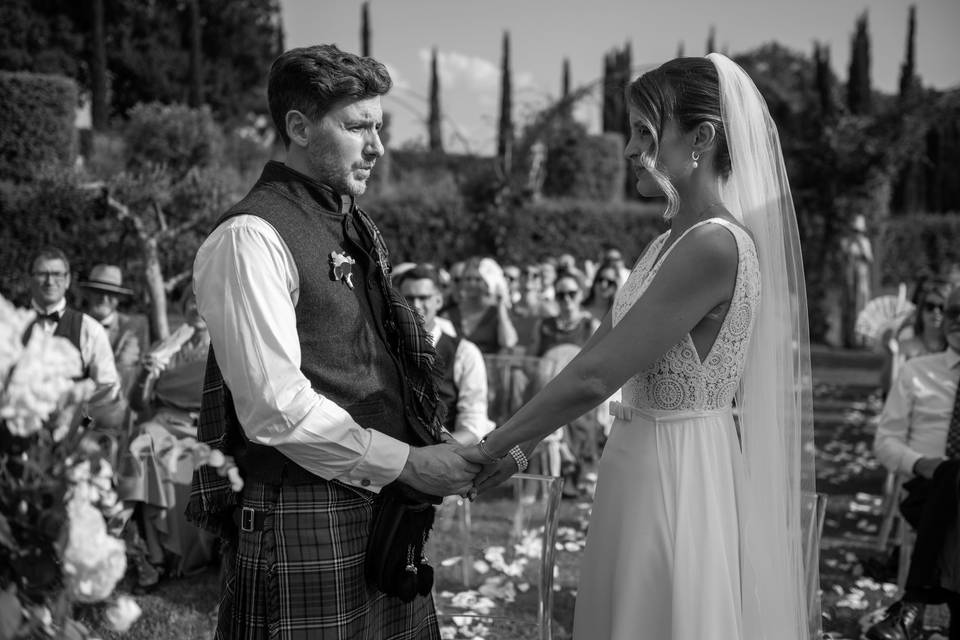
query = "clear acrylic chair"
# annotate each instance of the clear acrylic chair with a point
(494, 561)
(813, 513)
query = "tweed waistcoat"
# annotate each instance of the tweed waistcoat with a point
(341, 313)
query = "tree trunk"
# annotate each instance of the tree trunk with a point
(156, 289)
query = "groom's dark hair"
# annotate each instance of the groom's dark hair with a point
(312, 79)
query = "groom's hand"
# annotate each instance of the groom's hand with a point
(496, 473)
(439, 470)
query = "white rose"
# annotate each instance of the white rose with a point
(122, 613)
(93, 561)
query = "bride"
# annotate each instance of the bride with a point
(696, 525)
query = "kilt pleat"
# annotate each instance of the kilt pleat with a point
(302, 577)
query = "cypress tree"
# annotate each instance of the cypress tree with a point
(711, 40)
(98, 69)
(909, 83)
(680, 49)
(365, 29)
(617, 67)
(858, 81)
(281, 41)
(195, 89)
(823, 79)
(434, 130)
(505, 128)
(566, 107)
(616, 74)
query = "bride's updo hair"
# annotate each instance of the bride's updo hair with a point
(687, 91)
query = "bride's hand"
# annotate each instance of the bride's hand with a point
(472, 454)
(494, 474)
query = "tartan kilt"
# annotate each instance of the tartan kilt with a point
(302, 575)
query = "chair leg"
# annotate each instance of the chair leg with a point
(907, 539)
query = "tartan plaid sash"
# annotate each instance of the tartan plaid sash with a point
(212, 499)
(413, 344)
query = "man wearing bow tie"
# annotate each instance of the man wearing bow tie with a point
(49, 281)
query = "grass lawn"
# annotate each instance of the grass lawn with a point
(853, 577)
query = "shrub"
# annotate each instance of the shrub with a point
(52, 210)
(38, 113)
(579, 165)
(917, 244)
(582, 228)
(426, 219)
(174, 135)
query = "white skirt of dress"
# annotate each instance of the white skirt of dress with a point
(662, 559)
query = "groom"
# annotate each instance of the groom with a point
(304, 326)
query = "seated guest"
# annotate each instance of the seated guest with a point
(451, 287)
(603, 289)
(511, 273)
(482, 312)
(572, 325)
(530, 307)
(102, 293)
(919, 437)
(548, 278)
(49, 282)
(168, 393)
(463, 387)
(919, 335)
(612, 255)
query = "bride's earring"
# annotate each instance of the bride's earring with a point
(696, 159)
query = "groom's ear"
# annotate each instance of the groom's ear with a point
(297, 128)
(705, 137)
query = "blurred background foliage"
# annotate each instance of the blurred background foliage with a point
(180, 131)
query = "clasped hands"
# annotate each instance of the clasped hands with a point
(450, 468)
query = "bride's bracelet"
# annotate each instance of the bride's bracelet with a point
(485, 453)
(520, 458)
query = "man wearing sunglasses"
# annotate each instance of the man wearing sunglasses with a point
(463, 384)
(919, 437)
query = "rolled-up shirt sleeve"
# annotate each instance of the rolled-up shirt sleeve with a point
(247, 285)
(891, 442)
(98, 354)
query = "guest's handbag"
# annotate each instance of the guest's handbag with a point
(395, 562)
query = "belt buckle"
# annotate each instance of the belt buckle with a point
(247, 519)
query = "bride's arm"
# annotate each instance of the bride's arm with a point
(698, 274)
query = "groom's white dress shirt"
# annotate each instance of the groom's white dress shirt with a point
(254, 334)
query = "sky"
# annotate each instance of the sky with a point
(468, 34)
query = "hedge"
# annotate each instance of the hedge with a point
(918, 244)
(434, 225)
(38, 113)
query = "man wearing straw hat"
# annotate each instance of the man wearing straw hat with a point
(102, 293)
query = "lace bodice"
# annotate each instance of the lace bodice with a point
(679, 381)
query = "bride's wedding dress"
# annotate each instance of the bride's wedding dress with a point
(664, 557)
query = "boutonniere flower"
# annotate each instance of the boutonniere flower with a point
(341, 267)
